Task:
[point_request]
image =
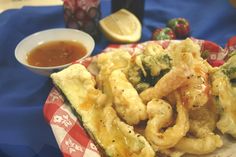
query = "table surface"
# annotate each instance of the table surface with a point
(24, 131)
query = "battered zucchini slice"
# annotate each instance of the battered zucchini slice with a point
(116, 138)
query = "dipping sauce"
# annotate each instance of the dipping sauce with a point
(56, 53)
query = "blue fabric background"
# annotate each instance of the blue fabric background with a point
(23, 130)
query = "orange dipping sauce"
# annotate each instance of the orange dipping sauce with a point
(56, 53)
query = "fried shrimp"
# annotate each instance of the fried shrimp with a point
(160, 115)
(185, 59)
(195, 93)
(127, 102)
(174, 79)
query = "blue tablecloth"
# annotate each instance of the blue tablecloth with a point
(23, 130)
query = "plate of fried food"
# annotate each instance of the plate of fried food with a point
(153, 99)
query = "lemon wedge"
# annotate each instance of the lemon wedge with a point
(121, 26)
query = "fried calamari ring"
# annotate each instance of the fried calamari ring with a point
(202, 125)
(203, 120)
(199, 146)
(160, 115)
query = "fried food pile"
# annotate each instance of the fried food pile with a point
(158, 102)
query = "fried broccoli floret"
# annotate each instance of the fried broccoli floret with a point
(147, 68)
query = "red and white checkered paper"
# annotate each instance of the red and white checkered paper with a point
(69, 133)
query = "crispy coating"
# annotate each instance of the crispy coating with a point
(223, 88)
(189, 75)
(182, 100)
(68, 77)
(115, 137)
(202, 140)
(160, 115)
(184, 52)
(202, 120)
(195, 93)
(174, 79)
(172, 152)
(126, 99)
(153, 49)
(106, 63)
(199, 146)
(227, 101)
